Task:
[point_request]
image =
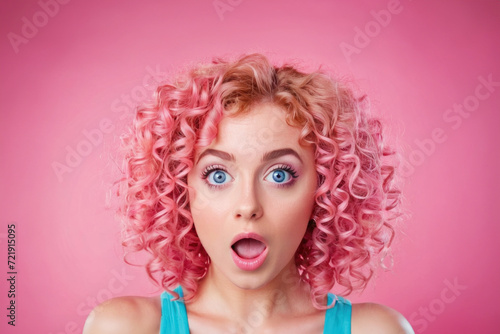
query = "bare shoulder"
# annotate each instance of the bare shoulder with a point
(375, 318)
(125, 315)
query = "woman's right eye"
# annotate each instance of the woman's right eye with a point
(216, 177)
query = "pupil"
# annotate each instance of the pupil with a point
(278, 176)
(219, 177)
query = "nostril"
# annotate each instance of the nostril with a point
(248, 210)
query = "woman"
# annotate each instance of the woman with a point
(256, 189)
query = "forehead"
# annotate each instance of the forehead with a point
(263, 125)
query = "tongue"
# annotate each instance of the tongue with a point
(248, 248)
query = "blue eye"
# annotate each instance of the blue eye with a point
(281, 175)
(217, 177)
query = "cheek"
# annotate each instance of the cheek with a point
(293, 218)
(197, 199)
(297, 205)
(293, 214)
(206, 229)
(203, 200)
(207, 212)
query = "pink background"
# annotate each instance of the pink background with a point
(73, 76)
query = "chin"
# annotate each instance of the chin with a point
(249, 286)
(251, 281)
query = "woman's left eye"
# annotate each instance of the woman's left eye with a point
(281, 175)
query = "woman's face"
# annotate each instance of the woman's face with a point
(252, 196)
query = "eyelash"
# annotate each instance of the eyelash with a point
(208, 170)
(289, 170)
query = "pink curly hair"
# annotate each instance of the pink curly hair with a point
(356, 198)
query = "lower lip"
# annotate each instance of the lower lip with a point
(249, 264)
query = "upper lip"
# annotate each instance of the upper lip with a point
(248, 235)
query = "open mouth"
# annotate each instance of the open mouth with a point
(248, 248)
(249, 251)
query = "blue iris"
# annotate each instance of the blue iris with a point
(279, 176)
(217, 177)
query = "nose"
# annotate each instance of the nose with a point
(248, 204)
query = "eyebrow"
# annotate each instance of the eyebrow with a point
(279, 153)
(266, 157)
(221, 154)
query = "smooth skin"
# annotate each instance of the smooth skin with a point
(254, 177)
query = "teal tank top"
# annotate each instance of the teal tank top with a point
(174, 315)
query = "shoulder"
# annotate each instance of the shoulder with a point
(375, 318)
(125, 315)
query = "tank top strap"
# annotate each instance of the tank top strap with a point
(338, 317)
(173, 314)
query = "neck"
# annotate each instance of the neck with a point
(285, 295)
